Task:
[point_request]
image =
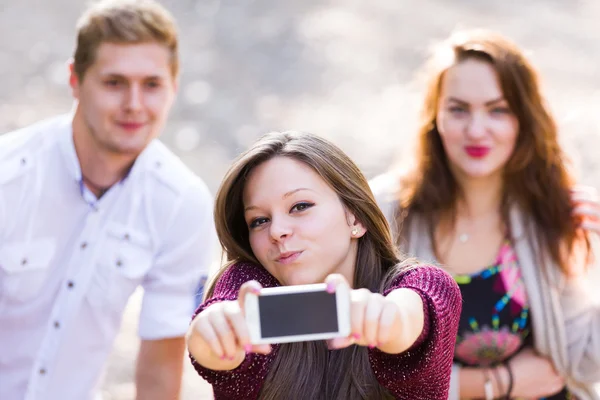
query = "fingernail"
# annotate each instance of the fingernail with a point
(222, 357)
(255, 290)
(248, 348)
(330, 288)
(356, 336)
(371, 346)
(231, 358)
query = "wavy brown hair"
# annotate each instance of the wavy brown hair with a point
(536, 175)
(307, 370)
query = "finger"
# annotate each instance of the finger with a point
(388, 317)
(358, 302)
(583, 188)
(340, 342)
(209, 335)
(236, 320)
(224, 333)
(371, 321)
(333, 281)
(588, 210)
(261, 349)
(250, 287)
(591, 226)
(585, 194)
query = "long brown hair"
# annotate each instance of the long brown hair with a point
(308, 369)
(536, 175)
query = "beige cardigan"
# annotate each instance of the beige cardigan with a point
(564, 315)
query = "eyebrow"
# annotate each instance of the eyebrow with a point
(286, 195)
(121, 76)
(487, 103)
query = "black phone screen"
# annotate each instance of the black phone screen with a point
(297, 314)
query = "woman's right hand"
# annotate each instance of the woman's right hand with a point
(534, 376)
(219, 338)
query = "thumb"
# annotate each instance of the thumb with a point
(249, 288)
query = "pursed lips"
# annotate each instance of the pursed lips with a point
(288, 257)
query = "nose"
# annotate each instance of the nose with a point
(280, 229)
(133, 101)
(477, 126)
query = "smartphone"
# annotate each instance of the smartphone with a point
(297, 314)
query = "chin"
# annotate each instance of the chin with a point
(480, 172)
(301, 279)
(130, 148)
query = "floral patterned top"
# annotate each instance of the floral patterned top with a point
(494, 324)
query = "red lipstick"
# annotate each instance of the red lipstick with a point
(477, 151)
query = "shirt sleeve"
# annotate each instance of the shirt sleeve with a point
(183, 260)
(423, 371)
(246, 381)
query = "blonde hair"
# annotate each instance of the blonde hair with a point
(124, 22)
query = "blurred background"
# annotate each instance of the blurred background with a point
(344, 69)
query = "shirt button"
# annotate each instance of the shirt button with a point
(158, 164)
(70, 284)
(119, 263)
(83, 245)
(42, 371)
(23, 161)
(126, 236)
(24, 261)
(56, 324)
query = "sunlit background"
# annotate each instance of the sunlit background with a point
(343, 69)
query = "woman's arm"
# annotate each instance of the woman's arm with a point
(422, 370)
(409, 324)
(581, 313)
(228, 368)
(579, 298)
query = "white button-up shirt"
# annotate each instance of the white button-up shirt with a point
(69, 262)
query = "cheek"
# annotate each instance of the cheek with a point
(258, 245)
(451, 129)
(102, 102)
(506, 132)
(159, 103)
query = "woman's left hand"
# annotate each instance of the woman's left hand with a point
(374, 318)
(587, 207)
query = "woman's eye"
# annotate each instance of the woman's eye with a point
(257, 222)
(301, 206)
(457, 110)
(501, 110)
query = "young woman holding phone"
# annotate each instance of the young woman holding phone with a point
(294, 209)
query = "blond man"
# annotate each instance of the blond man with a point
(91, 207)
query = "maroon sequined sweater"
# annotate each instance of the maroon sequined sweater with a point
(420, 373)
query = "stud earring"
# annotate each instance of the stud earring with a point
(354, 232)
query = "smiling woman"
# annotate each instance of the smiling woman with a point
(491, 198)
(294, 209)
